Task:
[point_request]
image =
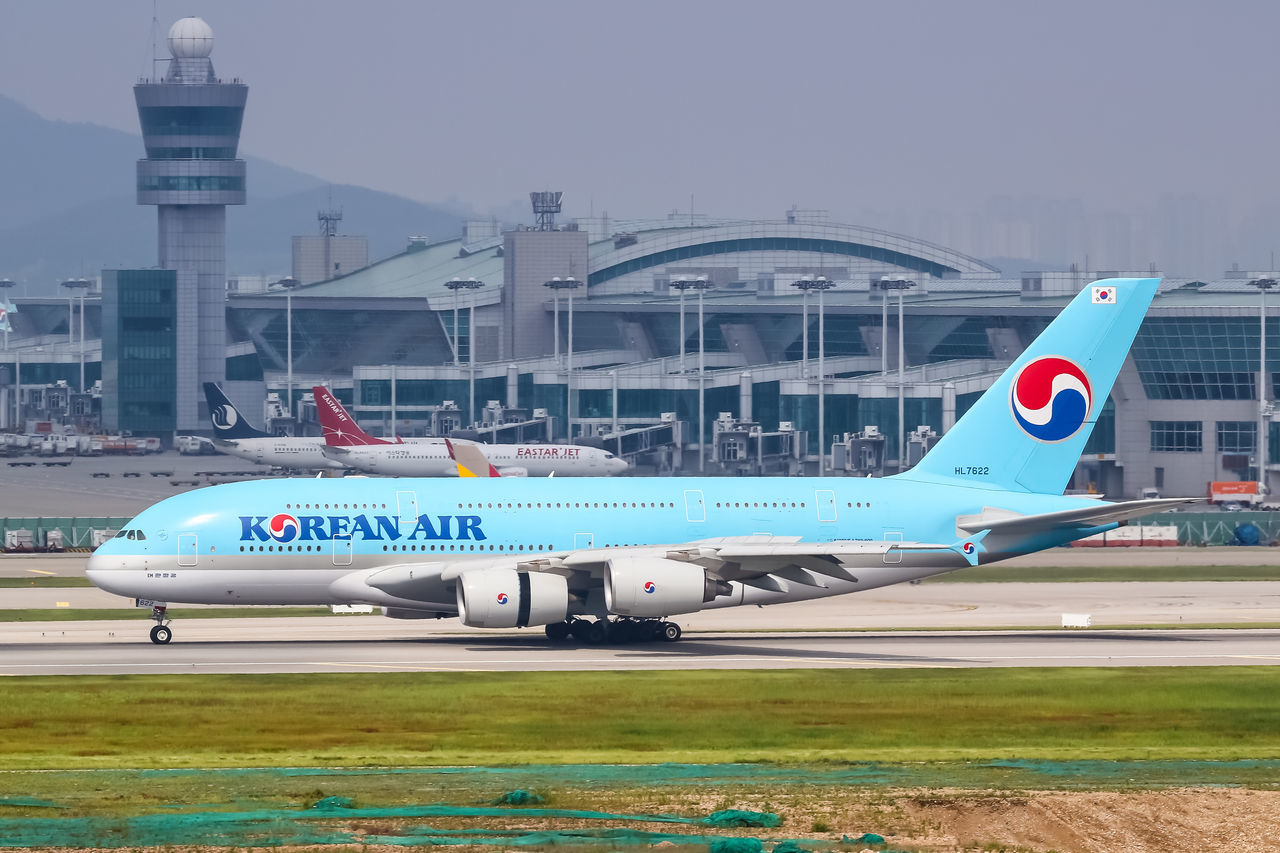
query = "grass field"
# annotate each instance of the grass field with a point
(799, 716)
(59, 582)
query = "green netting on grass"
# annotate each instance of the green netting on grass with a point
(334, 820)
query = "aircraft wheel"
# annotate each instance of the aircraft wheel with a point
(558, 631)
(623, 631)
(161, 635)
(598, 632)
(580, 629)
(670, 631)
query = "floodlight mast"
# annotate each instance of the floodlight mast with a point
(901, 285)
(1264, 434)
(73, 285)
(821, 284)
(701, 284)
(557, 284)
(288, 284)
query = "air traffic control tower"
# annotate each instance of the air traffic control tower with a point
(191, 128)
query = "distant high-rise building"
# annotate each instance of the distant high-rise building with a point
(191, 128)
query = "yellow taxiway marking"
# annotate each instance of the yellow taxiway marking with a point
(41, 572)
(62, 604)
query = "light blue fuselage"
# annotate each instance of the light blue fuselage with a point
(215, 545)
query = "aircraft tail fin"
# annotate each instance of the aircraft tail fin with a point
(339, 428)
(1026, 433)
(227, 421)
(470, 460)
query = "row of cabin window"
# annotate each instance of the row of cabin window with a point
(318, 549)
(335, 506)
(567, 505)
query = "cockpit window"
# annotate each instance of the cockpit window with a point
(121, 534)
(141, 535)
(132, 534)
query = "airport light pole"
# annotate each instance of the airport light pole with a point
(701, 284)
(821, 284)
(901, 285)
(456, 284)
(288, 283)
(570, 284)
(5, 286)
(73, 285)
(554, 285)
(474, 285)
(1264, 434)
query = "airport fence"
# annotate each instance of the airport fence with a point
(27, 534)
(1217, 528)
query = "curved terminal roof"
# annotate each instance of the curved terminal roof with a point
(660, 247)
(422, 270)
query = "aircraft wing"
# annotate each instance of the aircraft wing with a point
(1094, 515)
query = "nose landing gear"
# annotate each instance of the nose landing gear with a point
(160, 634)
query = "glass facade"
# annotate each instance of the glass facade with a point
(1202, 358)
(1103, 437)
(139, 350)
(191, 121)
(199, 183)
(1237, 437)
(1176, 436)
(968, 340)
(190, 153)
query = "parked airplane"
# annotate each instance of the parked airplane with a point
(596, 558)
(373, 455)
(233, 434)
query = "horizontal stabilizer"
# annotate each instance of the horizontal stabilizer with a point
(1093, 515)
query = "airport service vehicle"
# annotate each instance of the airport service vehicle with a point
(233, 434)
(598, 559)
(355, 448)
(1240, 493)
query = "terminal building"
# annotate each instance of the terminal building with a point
(686, 344)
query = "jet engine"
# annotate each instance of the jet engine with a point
(506, 598)
(652, 587)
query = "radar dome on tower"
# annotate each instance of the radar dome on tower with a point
(190, 38)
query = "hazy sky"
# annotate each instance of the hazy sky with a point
(749, 106)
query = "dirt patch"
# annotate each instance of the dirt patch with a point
(929, 821)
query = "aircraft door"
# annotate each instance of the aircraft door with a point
(407, 502)
(695, 509)
(825, 500)
(188, 545)
(342, 550)
(893, 555)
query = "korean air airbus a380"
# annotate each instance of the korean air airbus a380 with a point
(600, 558)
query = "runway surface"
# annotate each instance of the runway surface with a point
(318, 645)
(951, 605)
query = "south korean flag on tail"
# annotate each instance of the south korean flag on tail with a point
(1104, 295)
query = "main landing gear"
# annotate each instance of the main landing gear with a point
(596, 632)
(160, 634)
